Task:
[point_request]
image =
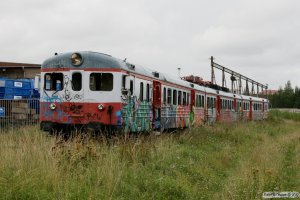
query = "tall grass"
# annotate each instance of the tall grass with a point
(223, 161)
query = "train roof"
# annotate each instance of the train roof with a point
(97, 60)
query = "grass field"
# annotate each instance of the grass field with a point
(223, 161)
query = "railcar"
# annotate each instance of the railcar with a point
(97, 91)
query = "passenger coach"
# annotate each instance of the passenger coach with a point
(97, 91)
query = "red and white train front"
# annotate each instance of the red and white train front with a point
(80, 89)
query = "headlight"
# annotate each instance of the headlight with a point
(76, 59)
(100, 107)
(52, 106)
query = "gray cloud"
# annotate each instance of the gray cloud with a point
(258, 38)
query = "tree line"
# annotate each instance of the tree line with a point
(286, 97)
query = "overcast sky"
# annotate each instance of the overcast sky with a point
(258, 38)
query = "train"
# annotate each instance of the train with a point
(96, 91)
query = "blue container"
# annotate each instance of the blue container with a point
(15, 89)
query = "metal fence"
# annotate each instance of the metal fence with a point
(18, 113)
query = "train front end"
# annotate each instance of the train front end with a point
(80, 90)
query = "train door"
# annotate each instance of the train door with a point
(234, 109)
(157, 104)
(218, 107)
(74, 95)
(251, 110)
(192, 107)
(193, 97)
(76, 80)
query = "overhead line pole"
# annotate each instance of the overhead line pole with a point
(234, 74)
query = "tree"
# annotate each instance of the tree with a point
(286, 97)
(297, 97)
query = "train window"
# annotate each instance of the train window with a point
(184, 98)
(174, 97)
(76, 81)
(101, 82)
(54, 81)
(131, 87)
(188, 99)
(200, 101)
(207, 102)
(169, 99)
(197, 101)
(123, 81)
(141, 91)
(165, 96)
(148, 92)
(215, 102)
(179, 97)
